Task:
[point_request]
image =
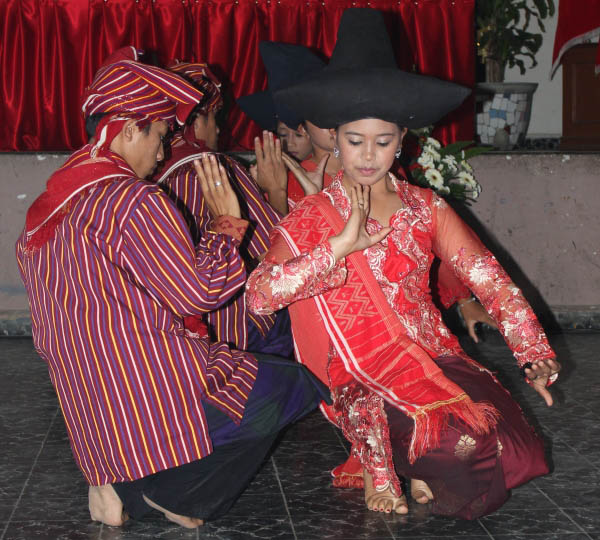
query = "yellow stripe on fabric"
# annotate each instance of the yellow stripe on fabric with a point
(113, 222)
(150, 252)
(174, 371)
(175, 251)
(149, 373)
(95, 358)
(119, 364)
(78, 363)
(138, 97)
(108, 73)
(71, 332)
(227, 382)
(127, 81)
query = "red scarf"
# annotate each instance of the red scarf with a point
(369, 338)
(79, 174)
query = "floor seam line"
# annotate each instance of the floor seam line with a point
(35, 460)
(337, 434)
(575, 523)
(482, 525)
(578, 453)
(287, 509)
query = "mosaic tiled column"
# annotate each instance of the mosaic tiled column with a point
(503, 113)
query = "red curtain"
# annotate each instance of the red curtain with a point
(50, 49)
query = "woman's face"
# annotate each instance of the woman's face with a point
(293, 142)
(320, 137)
(367, 148)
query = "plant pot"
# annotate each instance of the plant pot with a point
(503, 113)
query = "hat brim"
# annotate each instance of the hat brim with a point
(266, 111)
(260, 108)
(338, 96)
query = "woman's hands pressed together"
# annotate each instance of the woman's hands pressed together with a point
(217, 191)
(355, 237)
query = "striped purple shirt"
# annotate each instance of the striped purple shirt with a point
(108, 294)
(230, 322)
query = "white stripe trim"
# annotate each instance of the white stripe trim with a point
(338, 340)
(179, 163)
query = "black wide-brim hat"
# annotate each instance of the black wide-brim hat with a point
(286, 64)
(362, 80)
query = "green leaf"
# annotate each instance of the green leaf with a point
(454, 148)
(475, 151)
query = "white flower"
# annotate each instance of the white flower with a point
(450, 162)
(435, 179)
(444, 190)
(425, 160)
(435, 155)
(465, 166)
(433, 142)
(466, 178)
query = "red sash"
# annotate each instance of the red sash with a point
(369, 338)
(79, 174)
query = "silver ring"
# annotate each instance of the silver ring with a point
(217, 183)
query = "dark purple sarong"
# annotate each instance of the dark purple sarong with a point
(470, 475)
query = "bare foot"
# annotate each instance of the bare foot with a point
(105, 505)
(383, 501)
(184, 521)
(420, 491)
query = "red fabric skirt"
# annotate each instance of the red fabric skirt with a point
(470, 475)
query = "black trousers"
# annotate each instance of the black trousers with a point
(207, 488)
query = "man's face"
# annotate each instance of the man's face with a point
(145, 149)
(207, 130)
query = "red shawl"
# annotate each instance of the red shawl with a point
(80, 173)
(369, 338)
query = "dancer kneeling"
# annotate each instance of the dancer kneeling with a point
(159, 417)
(353, 264)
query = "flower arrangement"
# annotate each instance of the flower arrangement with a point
(446, 169)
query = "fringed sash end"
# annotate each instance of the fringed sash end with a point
(430, 422)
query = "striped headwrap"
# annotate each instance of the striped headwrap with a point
(204, 80)
(127, 89)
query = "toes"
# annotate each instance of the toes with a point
(401, 506)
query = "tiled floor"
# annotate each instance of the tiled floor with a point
(43, 496)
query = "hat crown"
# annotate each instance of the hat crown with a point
(362, 41)
(287, 64)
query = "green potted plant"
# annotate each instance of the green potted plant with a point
(505, 38)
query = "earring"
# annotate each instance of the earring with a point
(398, 153)
(336, 152)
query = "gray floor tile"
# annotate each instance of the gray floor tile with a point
(529, 521)
(52, 505)
(44, 530)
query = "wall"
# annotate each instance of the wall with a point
(546, 115)
(539, 215)
(538, 212)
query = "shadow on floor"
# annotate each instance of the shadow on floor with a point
(43, 495)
